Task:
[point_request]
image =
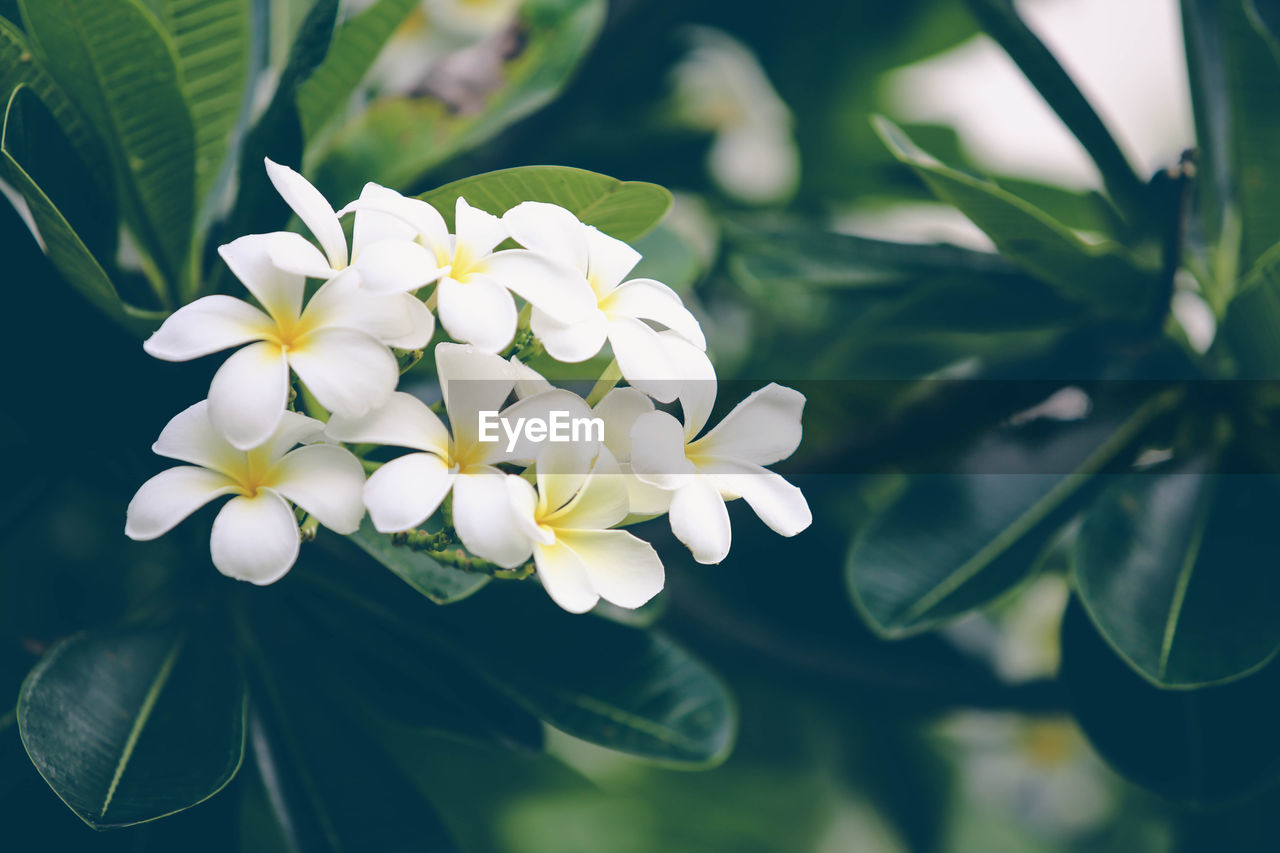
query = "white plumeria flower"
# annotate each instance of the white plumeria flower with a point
(473, 296)
(620, 307)
(405, 492)
(255, 535)
(383, 247)
(701, 474)
(566, 521)
(338, 346)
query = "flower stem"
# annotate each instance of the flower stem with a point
(610, 378)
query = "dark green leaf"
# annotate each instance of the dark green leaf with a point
(131, 725)
(356, 45)
(1102, 276)
(1251, 328)
(1172, 568)
(622, 209)
(1235, 88)
(61, 243)
(112, 59)
(1203, 746)
(398, 140)
(329, 785)
(1001, 21)
(441, 584)
(955, 541)
(211, 38)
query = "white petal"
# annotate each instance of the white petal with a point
(373, 224)
(248, 394)
(564, 577)
(190, 437)
(312, 208)
(559, 403)
(622, 569)
(600, 502)
(295, 428)
(550, 230)
(524, 507)
(396, 266)
(611, 260)
(646, 299)
(276, 290)
(403, 421)
(206, 326)
(528, 380)
(478, 232)
(557, 290)
(700, 520)
(482, 517)
(347, 371)
(395, 319)
(170, 496)
(642, 359)
(480, 312)
(619, 410)
(763, 429)
(326, 481)
(644, 499)
(698, 385)
(296, 254)
(574, 342)
(404, 492)
(561, 473)
(255, 539)
(658, 451)
(425, 220)
(778, 503)
(471, 381)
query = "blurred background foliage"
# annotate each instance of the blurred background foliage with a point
(758, 118)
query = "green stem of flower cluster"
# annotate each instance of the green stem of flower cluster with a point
(606, 383)
(407, 359)
(437, 544)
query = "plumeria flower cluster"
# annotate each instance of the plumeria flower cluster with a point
(304, 424)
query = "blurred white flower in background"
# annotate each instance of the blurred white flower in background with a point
(720, 87)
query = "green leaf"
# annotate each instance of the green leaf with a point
(399, 140)
(356, 45)
(953, 542)
(134, 724)
(211, 38)
(1235, 88)
(1204, 747)
(622, 209)
(119, 68)
(1001, 21)
(630, 690)
(21, 67)
(1102, 276)
(441, 584)
(278, 133)
(59, 240)
(1171, 566)
(1251, 329)
(329, 785)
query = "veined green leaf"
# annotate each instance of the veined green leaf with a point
(1205, 747)
(953, 542)
(60, 242)
(211, 38)
(1170, 565)
(399, 140)
(1102, 276)
(356, 46)
(115, 63)
(441, 584)
(622, 209)
(135, 724)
